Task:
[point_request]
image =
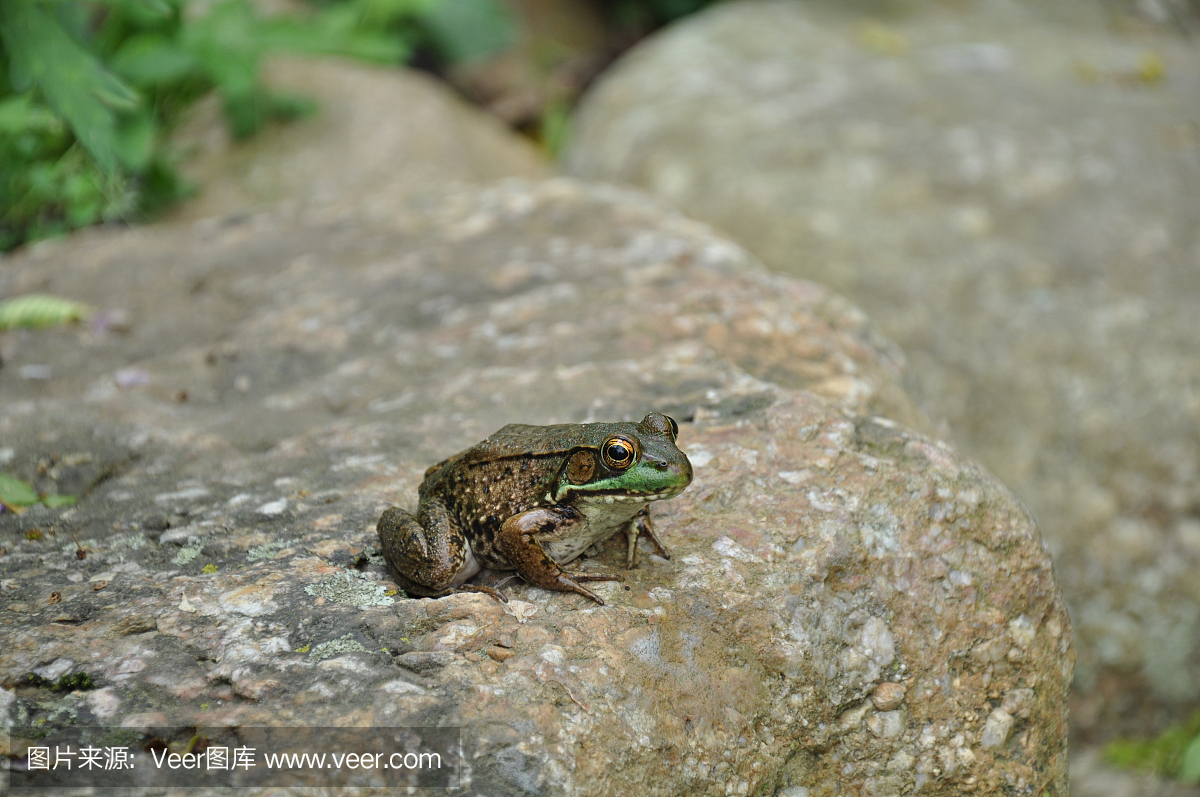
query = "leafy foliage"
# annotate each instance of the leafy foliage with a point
(90, 88)
(465, 29)
(1174, 753)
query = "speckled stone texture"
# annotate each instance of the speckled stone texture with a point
(851, 607)
(1012, 191)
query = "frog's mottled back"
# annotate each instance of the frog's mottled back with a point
(481, 492)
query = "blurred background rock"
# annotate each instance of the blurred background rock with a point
(91, 90)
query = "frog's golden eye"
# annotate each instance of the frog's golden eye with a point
(618, 453)
(674, 427)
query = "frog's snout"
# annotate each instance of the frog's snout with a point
(675, 470)
(680, 471)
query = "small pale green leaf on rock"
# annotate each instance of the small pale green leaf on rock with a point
(54, 501)
(16, 493)
(37, 310)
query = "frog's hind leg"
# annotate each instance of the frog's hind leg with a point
(639, 525)
(519, 541)
(427, 555)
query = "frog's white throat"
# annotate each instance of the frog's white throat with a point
(594, 499)
(601, 520)
(629, 498)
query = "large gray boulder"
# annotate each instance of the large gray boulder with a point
(851, 607)
(378, 131)
(1012, 191)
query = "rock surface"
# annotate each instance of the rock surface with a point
(1013, 192)
(375, 131)
(851, 607)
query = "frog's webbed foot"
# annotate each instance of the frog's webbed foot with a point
(577, 577)
(597, 576)
(518, 542)
(635, 528)
(442, 593)
(569, 582)
(484, 588)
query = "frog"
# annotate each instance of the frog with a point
(533, 499)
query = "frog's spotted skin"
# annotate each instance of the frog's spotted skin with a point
(530, 498)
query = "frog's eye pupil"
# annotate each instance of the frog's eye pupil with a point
(674, 427)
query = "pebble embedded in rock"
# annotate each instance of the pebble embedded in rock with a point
(996, 729)
(888, 696)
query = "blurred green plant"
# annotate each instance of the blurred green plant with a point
(644, 16)
(1174, 753)
(90, 88)
(461, 30)
(555, 127)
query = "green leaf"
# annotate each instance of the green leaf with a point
(468, 29)
(15, 493)
(76, 85)
(144, 12)
(245, 113)
(381, 13)
(333, 32)
(83, 202)
(39, 310)
(556, 127)
(224, 43)
(1189, 773)
(55, 501)
(151, 60)
(20, 113)
(134, 140)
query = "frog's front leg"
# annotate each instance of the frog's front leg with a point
(520, 542)
(639, 525)
(428, 554)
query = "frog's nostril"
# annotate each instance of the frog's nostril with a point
(661, 464)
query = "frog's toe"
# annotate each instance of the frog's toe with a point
(597, 576)
(638, 527)
(567, 583)
(484, 588)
